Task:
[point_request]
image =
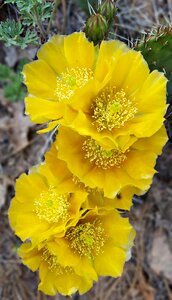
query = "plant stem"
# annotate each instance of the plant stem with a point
(64, 15)
(39, 23)
(52, 16)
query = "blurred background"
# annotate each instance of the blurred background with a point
(148, 275)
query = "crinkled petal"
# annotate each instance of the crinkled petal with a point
(41, 110)
(108, 56)
(79, 52)
(30, 256)
(130, 72)
(111, 264)
(40, 79)
(53, 54)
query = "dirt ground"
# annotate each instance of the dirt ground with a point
(148, 275)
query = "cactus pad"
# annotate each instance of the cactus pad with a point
(156, 48)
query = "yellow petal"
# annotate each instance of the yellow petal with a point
(41, 110)
(40, 79)
(47, 284)
(53, 53)
(66, 256)
(111, 263)
(30, 185)
(124, 198)
(79, 51)
(30, 256)
(87, 93)
(130, 72)
(24, 221)
(155, 143)
(152, 95)
(110, 180)
(140, 164)
(77, 200)
(108, 55)
(145, 125)
(120, 232)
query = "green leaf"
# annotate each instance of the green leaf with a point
(14, 91)
(12, 82)
(12, 33)
(30, 9)
(5, 72)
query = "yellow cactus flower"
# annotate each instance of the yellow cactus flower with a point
(102, 92)
(122, 108)
(63, 67)
(98, 245)
(95, 197)
(54, 278)
(110, 169)
(46, 202)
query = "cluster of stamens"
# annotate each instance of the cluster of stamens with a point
(70, 80)
(87, 239)
(53, 264)
(112, 109)
(52, 206)
(102, 158)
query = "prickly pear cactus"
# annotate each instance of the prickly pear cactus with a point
(157, 50)
(84, 4)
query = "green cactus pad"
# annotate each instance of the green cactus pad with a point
(157, 51)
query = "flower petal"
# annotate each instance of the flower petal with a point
(41, 110)
(111, 264)
(40, 79)
(77, 48)
(130, 72)
(108, 55)
(53, 54)
(30, 256)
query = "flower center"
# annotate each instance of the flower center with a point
(70, 80)
(87, 239)
(53, 264)
(112, 109)
(52, 206)
(102, 158)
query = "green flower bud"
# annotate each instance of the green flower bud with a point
(96, 28)
(108, 10)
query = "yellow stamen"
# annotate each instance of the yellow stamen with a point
(52, 206)
(87, 239)
(53, 264)
(112, 109)
(70, 80)
(102, 158)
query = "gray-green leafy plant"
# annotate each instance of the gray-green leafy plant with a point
(32, 11)
(12, 33)
(12, 82)
(28, 28)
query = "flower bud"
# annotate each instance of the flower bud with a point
(96, 28)
(108, 10)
